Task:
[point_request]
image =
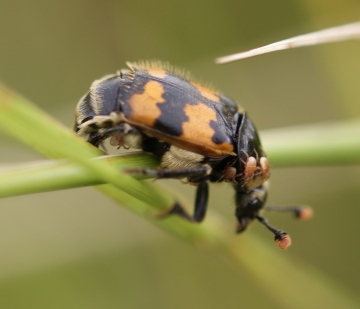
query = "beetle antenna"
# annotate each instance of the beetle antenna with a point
(301, 212)
(282, 239)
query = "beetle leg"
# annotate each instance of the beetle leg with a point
(161, 173)
(201, 201)
(176, 209)
(96, 138)
(121, 135)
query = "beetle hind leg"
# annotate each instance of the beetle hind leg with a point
(176, 209)
(201, 202)
(97, 138)
(122, 135)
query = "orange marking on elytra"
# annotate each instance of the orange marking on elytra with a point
(206, 93)
(196, 129)
(144, 107)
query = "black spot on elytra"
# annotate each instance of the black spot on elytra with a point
(220, 133)
(172, 114)
(224, 125)
(177, 94)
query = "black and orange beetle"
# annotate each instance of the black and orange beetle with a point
(195, 132)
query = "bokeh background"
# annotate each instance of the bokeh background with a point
(77, 249)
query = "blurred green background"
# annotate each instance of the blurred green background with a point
(77, 249)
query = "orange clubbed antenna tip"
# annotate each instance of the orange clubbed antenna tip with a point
(304, 212)
(283, 240)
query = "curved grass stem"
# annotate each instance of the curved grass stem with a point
(77, 167)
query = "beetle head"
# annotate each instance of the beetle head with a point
(249, 205)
